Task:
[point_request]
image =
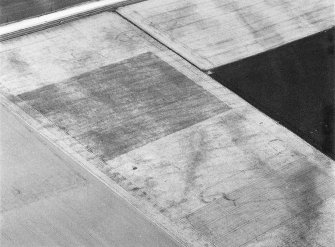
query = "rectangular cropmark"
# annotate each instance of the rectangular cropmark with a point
(122, 106)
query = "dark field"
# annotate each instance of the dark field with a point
(16, 10)
(294, 84)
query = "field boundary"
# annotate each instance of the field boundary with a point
(35, 24)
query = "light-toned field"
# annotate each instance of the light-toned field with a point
(211, 33)
(191, 155)
(48, 200)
